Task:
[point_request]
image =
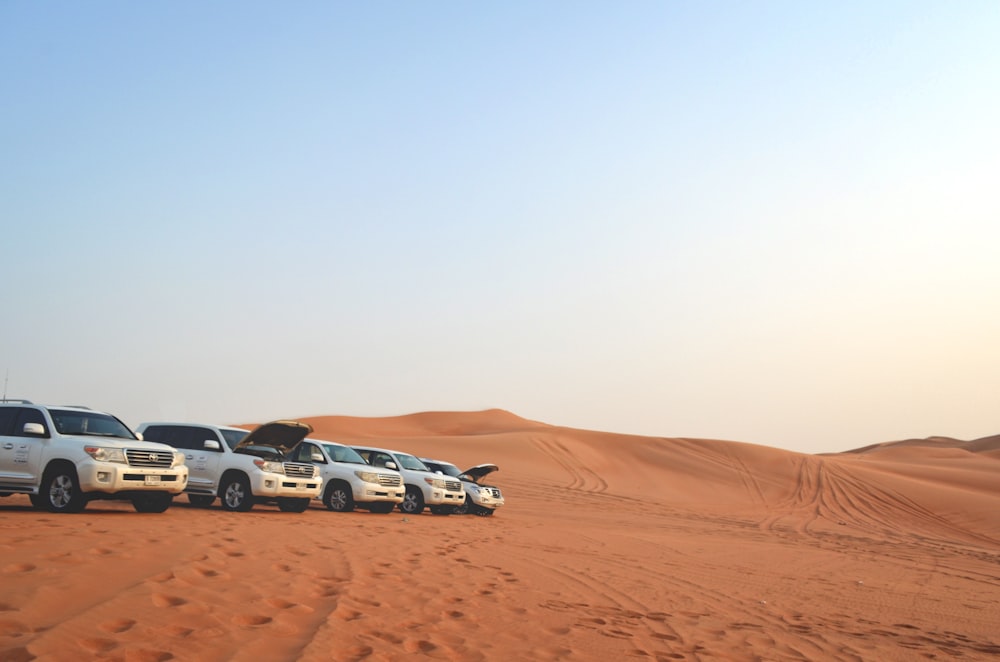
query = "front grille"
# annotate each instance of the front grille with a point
(389, 480)
(494, 491)
(151, 459)
(298, 470)
(453, 485)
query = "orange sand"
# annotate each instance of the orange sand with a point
(610, 547)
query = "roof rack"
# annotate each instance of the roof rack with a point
(17, 401)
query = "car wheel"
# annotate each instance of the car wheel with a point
(236, 495)
(157, 502)
(485, 512)
(39, 500)
(61, 491)
(413, 502)
(381, 507)
(201, 500)
(339, 498)
(463, 509)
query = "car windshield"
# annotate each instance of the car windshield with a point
(234, 437)
(449, 469)
(343, 454)
(410, 462)
(91, 423)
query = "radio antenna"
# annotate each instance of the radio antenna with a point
(5, 377)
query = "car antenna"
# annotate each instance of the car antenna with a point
(5, 377)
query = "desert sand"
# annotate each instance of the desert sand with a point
(610, 547)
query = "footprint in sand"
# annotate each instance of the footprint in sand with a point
(178, 631)
(142, 655)
(420, 646)
(164, 600)
(207, 572)
(251, 619)
(19, 567)
(97, 644)
(118, 626)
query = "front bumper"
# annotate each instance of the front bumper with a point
(373, 492)
(274, 486)
(112, 477)
(439, 497)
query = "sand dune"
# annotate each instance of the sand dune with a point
(611, 546)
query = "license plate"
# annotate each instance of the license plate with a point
(301, 486)
(152, 480)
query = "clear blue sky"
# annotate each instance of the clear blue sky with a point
(773, 222)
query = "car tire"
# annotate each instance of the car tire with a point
(201, 500)
(442, 510)
(339, 497)
(462, 509)
(236, 494)
(381, 507)
(413, 501)
(155, 502)
(293, 504)
(61, 490)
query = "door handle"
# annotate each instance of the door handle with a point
(8, 446)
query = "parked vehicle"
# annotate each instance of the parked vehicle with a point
(480, 499)
(348, 480)
(423, 487)
(64, 457)
(240, 467)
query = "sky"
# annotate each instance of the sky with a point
(769, 222)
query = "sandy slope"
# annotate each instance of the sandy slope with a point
(611, 546)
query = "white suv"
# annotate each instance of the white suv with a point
(348, 480)
(63, 457)
(480, 499)
(442, 494)
(241, 467)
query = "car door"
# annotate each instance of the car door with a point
(20, 452)
(203, 462)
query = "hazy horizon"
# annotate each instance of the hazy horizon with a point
(774, 223)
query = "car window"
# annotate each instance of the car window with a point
(410, 462)
(303, 453)
(29, 415)
(233, 437)
(339, 453)
(189, 437)
(90, 423)
(7, 416)
(381, 459)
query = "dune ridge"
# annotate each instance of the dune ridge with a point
(611, 546)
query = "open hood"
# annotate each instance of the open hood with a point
(479, 471)
(282, 435)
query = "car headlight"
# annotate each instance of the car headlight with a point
(178, 460)
(106, 454)
(270, 467)
(367, 476)
(436, 482)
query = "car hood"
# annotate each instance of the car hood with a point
(479, 471)
(282, 435)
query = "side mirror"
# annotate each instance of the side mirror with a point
(439, 472)
(391, 465)
(138, 435)
(212, 444)
(316, 456)
(34, 429)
